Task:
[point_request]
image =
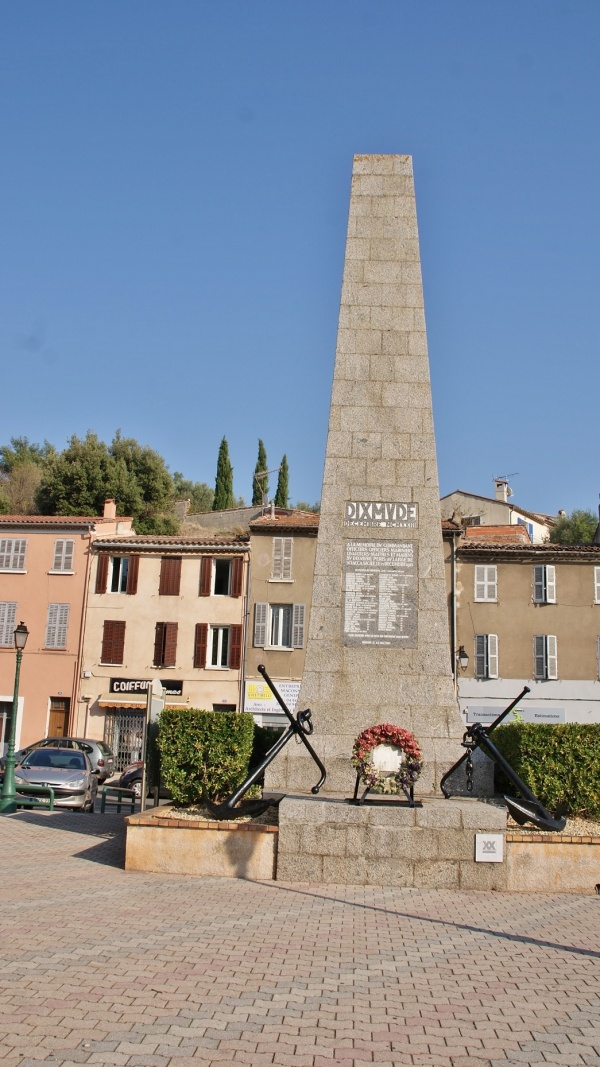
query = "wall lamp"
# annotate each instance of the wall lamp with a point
(462, 658)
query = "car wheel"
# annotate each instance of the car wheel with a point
(137, 787)
(90, 807)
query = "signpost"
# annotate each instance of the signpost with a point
(155, 702)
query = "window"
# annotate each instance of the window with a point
(8, 614)
(221, 577)
(113, 642)
(56, 626)
(165, 644)
(486, 583)
(12, 554)
(597, 585)
(218, 646)
(170, 576)
(282, 559)
(279, 625)
(63, 555)
(545, 664)
(123, 574)
(544, 585)
(486, 655)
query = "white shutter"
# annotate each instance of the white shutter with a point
(260, 625)
(539, 657)
(12, 554)
(492, 584)
(8, 614)
(480, 583)
(277, 571)
(63, 555)
(538, 585)
(56, 625)
(597, 584)
(480, 656)
(552, 657)
(551, 585)
(298, 626)
(286, 570)
(492, 643)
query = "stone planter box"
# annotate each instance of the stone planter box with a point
(552, 863)
(167, 845)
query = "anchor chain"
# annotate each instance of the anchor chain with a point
(469, 770)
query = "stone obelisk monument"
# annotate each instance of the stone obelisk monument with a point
(378, 647)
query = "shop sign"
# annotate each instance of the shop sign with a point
(172, 687)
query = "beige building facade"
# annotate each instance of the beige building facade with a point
(171, 608)
(526, 615)
(469, 509)
(44, 569)
(283, 545)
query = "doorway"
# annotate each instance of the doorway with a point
(58, 725)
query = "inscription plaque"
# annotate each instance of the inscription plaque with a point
(380, 593)
(380, 513)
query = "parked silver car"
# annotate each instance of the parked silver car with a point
(68, 771)
(99, 753)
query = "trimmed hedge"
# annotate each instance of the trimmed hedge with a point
(204, 750)
(558, 763)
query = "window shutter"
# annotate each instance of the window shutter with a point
(538, 585)
(235, 647)
(63, 555)
(298, 626)
(597, 584)
(260, 625)
(200, 644)
(287, 558)
(552, 658)
(159, 634)
(57, 625)
(132, 575)
(480, 655)
(170, 576)
(539, 657)
(551, 585)
(102, 573)
(479, 583)
(8, 614)
(170, 656)
(492, 642)
(205, 576)
(113, 642)
(277, 557)
(492, 583)
(237, 565)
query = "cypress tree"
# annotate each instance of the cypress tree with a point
(260, 485)
(283, 491)
(224, 480)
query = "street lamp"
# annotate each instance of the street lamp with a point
(8, 801)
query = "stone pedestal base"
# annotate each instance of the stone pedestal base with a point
(326, 840)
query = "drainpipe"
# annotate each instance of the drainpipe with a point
(242, 687)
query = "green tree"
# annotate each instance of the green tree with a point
(78, 480)
(199, 494)
(260, 486)
(303, 505)
(578, 528)
(224, 481)
(20, 487)
(21, 450)
(283, 490)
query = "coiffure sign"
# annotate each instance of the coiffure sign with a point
(140, 685)
(373, 513)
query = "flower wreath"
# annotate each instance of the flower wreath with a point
(380, 781)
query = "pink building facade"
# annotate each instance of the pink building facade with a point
(44, 568)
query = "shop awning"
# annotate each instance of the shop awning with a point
(122, 700)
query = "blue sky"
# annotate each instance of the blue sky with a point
(175, 182)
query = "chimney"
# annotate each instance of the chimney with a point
(110, 509)
(502, 490)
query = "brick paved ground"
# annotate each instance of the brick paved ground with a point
(105, 967)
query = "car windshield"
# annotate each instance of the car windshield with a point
(59, 760)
